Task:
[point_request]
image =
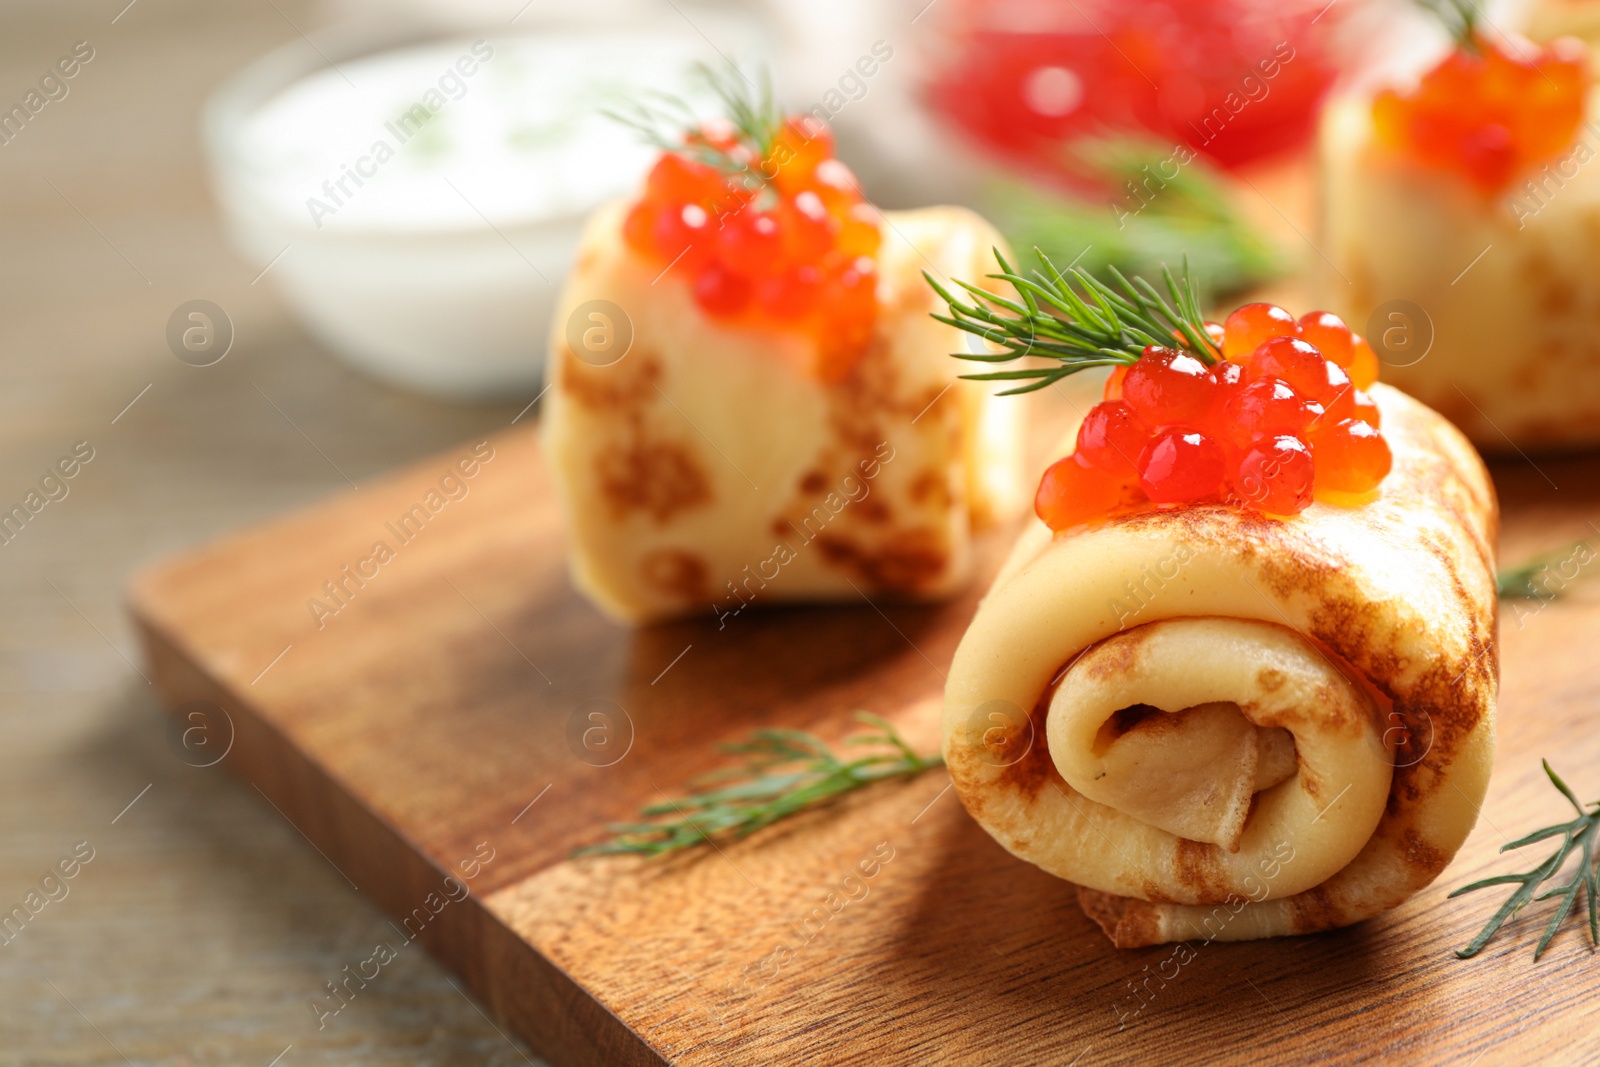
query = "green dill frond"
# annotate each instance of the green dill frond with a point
(669, 122)
(1577, 835)
(782, 772)
(1075, 319)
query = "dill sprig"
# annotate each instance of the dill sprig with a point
(1577, 834)
(671, 124)
(1521, 582)
(784, 772)
(1460, 18)
(1076, 320)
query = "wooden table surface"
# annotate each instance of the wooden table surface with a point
(204, 924)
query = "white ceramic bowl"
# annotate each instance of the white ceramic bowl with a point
(438, 271)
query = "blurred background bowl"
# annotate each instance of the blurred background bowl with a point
(436, 267)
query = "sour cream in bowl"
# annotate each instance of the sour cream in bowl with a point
(420, 204)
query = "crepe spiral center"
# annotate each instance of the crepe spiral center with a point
(1238, 738)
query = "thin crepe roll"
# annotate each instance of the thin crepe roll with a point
(710, 467)
(1483, 308)
(1227, 726)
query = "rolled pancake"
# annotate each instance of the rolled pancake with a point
(1502, 289)
(712, 466)
(1227, 726)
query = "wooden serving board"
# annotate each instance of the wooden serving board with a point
(435, 725)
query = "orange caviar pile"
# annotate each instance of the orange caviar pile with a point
(1281, 418)
(779, 240)
(1489, 113)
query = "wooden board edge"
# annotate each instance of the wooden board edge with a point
(560, 1019)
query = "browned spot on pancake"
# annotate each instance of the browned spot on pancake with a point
(870, 404)
(1030, 773)
(874, 510)
(810, 524)
(907, 563)
(1106, 909)
(870, 390)
(1195, 866)
(1117, 655)
(1423, 858)
(678, 572)
(1154, 894)
(931, 488)
(934, 401)
(1315, 909)
(1333, 710)
(1127, 922)
(1270, 679)
(627, 385)
(875, 388)
(658, 477)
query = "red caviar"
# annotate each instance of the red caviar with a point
(1073, 492)
(1488, 113)
(1111, 438)
(1180, 465)
(1168, 386)
(1352, 457)
(786, 242)
(1275, 475)
(1283, 417)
